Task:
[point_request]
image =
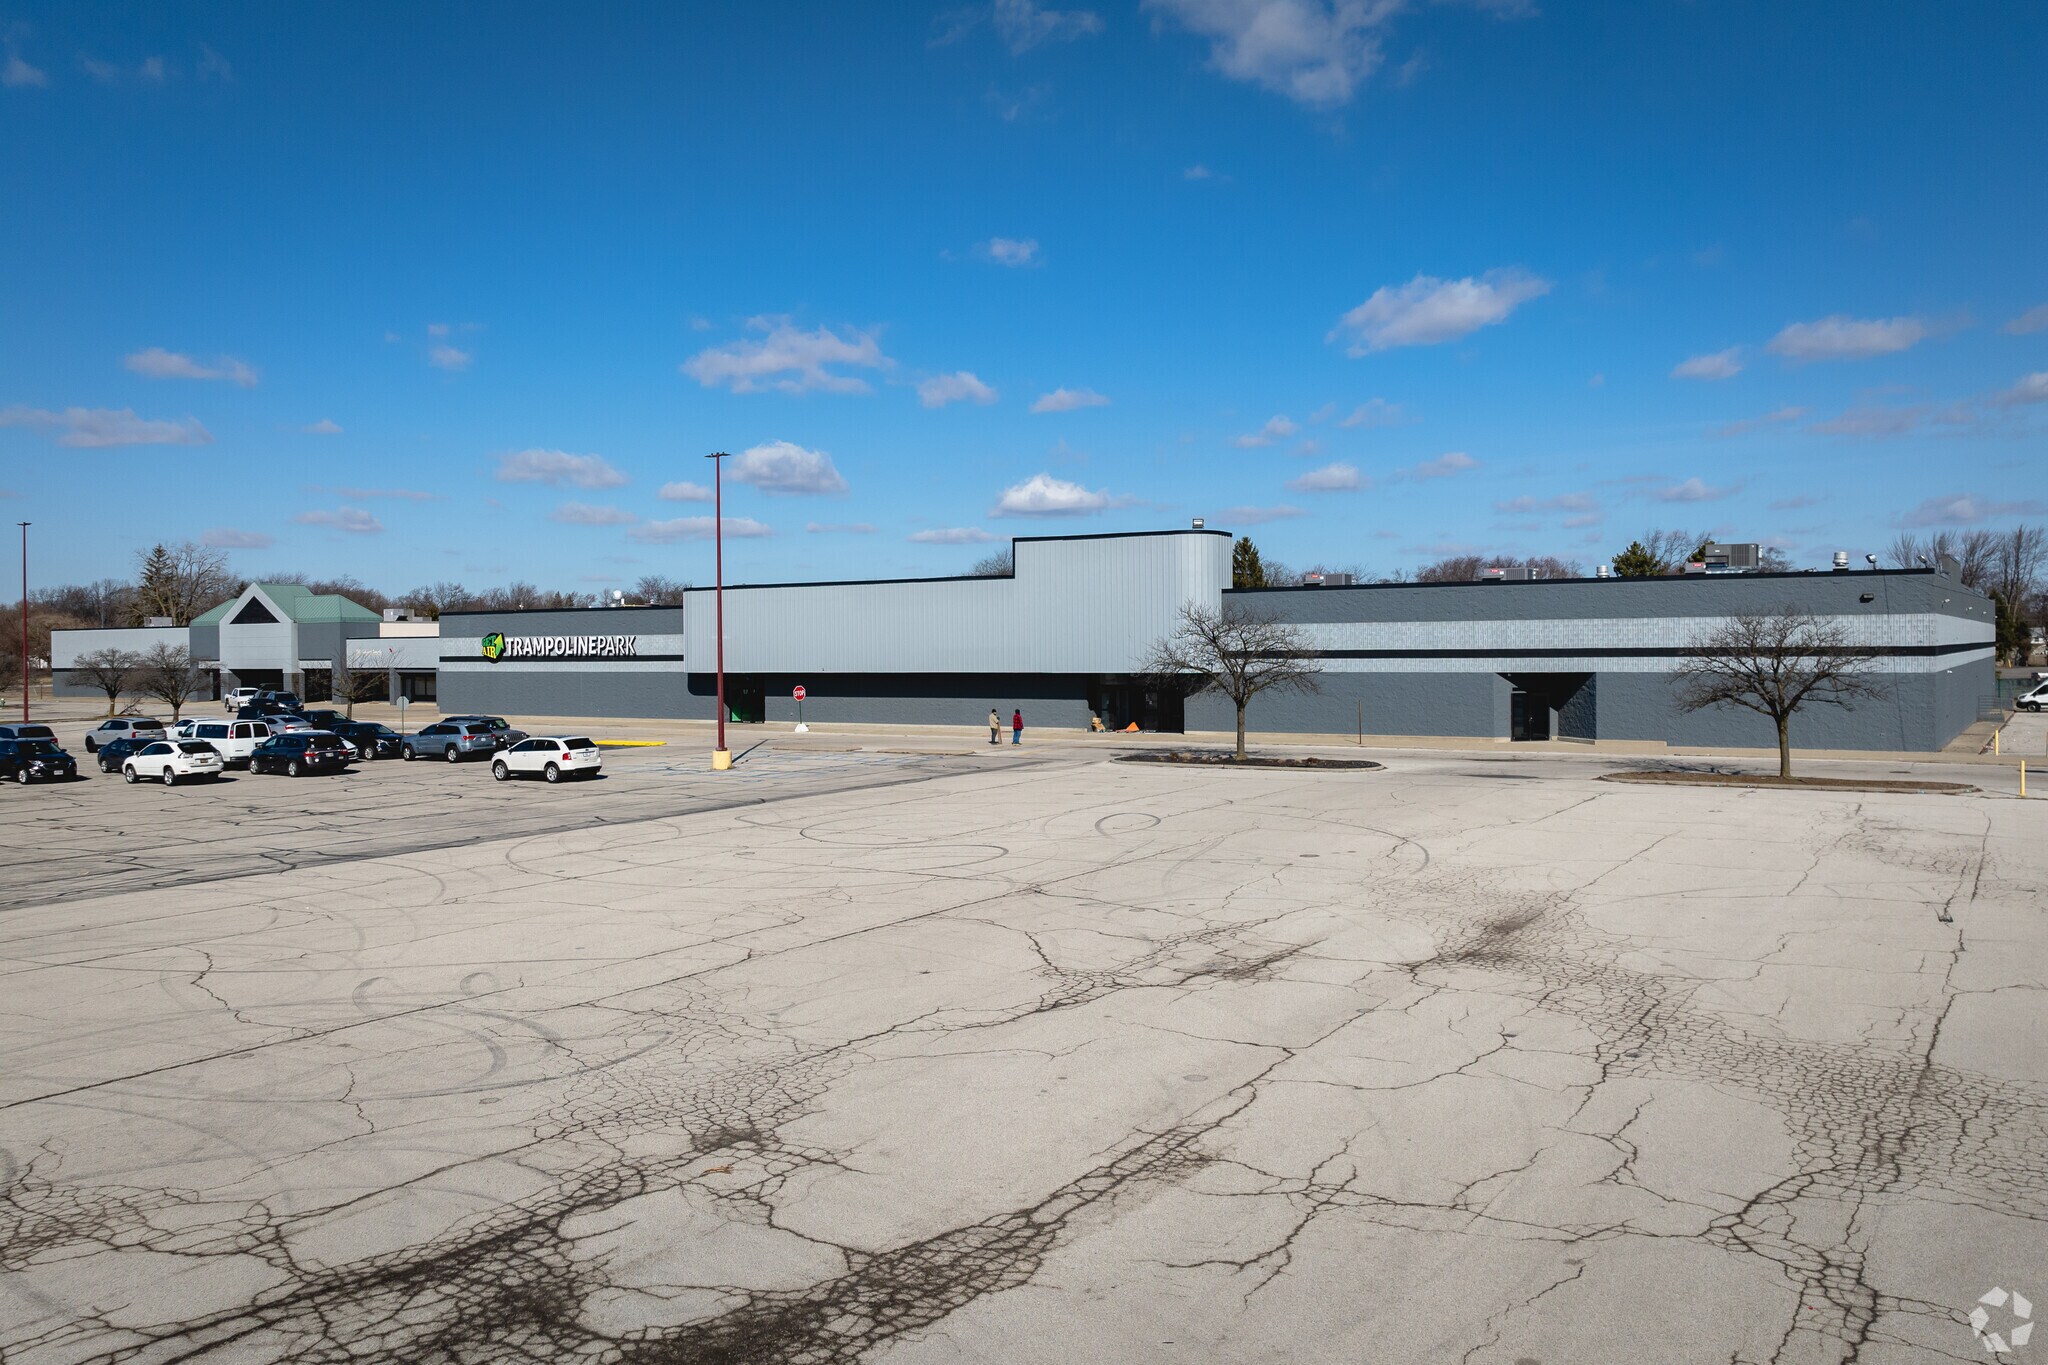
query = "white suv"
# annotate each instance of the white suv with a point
(168, 760)
(553, 757)
(122, 727)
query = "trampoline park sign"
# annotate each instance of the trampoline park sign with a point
(497, 645)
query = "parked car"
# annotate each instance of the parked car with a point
(27, 732)
(235, 698)
(371, 740)
(501, 729)
(282, 722)
(236, 739)
(449, 739)
(2034, 699)
(35, 760)
(167, 760)
(283, 701)
(553, 757)
(115, 752)
(297, 755)
(326, 720)
(123, 727)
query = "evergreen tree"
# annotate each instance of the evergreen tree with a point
(1246, 570)
(2011, 642)
(157, 593)
(1637, 562)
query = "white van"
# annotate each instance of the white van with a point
(2033, 700)
(236, 739)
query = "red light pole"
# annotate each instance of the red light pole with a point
(721, 757)
(24, 617)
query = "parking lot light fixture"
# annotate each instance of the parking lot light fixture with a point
(24, 622)
(721, 757)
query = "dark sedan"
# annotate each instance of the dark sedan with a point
(35, 760)
(297, 754)
(115, 751)
(371, 740)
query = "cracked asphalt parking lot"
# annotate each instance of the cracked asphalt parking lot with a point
(939, 1059)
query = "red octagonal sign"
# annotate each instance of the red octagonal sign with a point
(799, 693)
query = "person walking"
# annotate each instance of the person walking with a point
(1017, 726)
(995, 725)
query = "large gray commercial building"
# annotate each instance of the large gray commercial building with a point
(1066, 633)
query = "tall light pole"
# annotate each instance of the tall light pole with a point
(721, 757)
(24, 619)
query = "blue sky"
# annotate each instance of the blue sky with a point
(428, 292)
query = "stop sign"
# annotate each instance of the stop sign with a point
(799, 693)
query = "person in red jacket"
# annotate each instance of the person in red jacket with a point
(1017, 727)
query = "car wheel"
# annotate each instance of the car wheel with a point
(407, 754)
(22, 777)
(292, 769)
(552, 773)
(500, 771)
(91, 745)
(451, 755)
(170, 778)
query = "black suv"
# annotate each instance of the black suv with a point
(371, 740)
(35, 760)
(297, 754)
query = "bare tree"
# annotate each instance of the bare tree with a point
(182, 581)
(995, 564)
(1773, 663)
(365, 676)
(110, 670)
(1239, 651)
(657, 590)
(167, 674)
(2017, 570)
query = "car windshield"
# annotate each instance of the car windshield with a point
(376, 731)
(493, 723)
(195, 747)
(580, 743)
(36, 746)
(34, 732)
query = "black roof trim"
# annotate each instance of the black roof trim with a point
(548, 611)
(1540, 582)
(1130, 535)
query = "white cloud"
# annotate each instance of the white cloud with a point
(212, 66)
(228, 538)
(438, 329)
(1873, 421)
(1694, 489)
(1846, 338)
(326, 426)
(1012, 251)
(788, 360)
(401, 494)
(152, 70)
(18, 73)
(785, 467)
(2032, 388)
(591, 514)
(696, 528)
(682, 490)
(1200, 172)
(1277, 428)
(1718, 365)
(1024, 25)
(942, 389)
(951, 535)
(1331, 478)
(1254, 516)
(1376, 412)
(1527, 505)
(1315, 52)
(157, 363)
(851, 528)
(2035, 319)
(446, 357)
(1965, 509)
(557, 467)
(1443, 466)
(1778, 417)
(1427, 311)
(1068, 400)
(353, 520)
(97, 428)
(1042, 495)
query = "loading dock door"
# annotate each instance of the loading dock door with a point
(1528, 716)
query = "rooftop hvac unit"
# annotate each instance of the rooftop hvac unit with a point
(1841, 561)
(1515, 573)
(1328, 580)
(1746, 557)
(396, 614)
(154, 623)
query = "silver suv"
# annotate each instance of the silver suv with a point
(452, 740)
(123, 727)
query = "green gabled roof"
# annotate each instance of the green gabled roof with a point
(301, 605)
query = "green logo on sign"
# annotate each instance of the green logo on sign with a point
(494, 645)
